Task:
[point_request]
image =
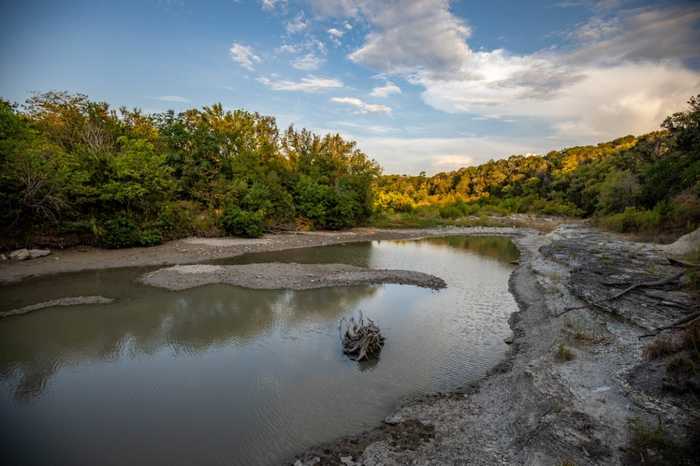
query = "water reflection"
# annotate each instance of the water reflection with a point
(225, 375)
(186, 322)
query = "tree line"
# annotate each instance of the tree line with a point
(78, 170)
(73, 170)
(649, 183)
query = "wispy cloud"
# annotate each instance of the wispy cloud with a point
(308, 62)
(270, 5)
(298, 24)
(386, 90)
(173, 98)
(361, 106)
(335, 35)
(244, 55)
(309, 83)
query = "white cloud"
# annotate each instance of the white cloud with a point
(386, 90)
(310, 45)
(308, 62)
(309, 83)
(335, 35)
(361, 106)
(621, 75)
(298, 24)
(413, 36)
(412, 155)
(374, 129)
(173, 98)
(270, 5)
(335, 8)
(244, 55)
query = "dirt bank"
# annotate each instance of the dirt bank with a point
(197, 250)
(286, 276)
(571, 383)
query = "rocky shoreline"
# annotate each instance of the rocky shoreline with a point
(576, 377)
(571, 385)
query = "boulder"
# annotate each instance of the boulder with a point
(685, 244)
(20, 255)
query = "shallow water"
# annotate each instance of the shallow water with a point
(225, 375)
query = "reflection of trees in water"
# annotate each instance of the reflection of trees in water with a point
(358, 254)
(188, 322)
(496, 247)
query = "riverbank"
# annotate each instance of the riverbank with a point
(198, 250)
(576, 387)
(576, 377)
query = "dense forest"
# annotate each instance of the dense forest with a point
(77, 171)
(646, 184)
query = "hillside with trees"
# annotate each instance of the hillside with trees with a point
(76, 171)
(647, 184)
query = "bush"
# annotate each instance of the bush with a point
(239, 222)
(150, 237)
(123, 232)
(177, 219)
(119, 232)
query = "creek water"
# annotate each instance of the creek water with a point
(224, 375)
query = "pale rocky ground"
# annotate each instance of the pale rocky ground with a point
(534, 409)
(288, 276)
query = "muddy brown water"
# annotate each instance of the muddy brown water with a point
(221, 375)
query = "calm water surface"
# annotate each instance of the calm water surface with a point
(222, 375)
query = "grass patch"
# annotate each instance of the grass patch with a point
(661, 347)
(654, 446)
(564, 354)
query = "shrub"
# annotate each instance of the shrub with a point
(239, 222)
(150, 237)
(123, 232)
(119, 232)
(177, 219)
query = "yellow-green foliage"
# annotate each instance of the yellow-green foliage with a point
(643, 184)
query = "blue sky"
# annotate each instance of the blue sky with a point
(420, 84)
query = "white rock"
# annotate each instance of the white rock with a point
(685, 244)
(20, 255)
(35, 253)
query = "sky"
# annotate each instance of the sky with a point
(421, 85)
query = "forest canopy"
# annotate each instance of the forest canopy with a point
(649, 183)
(74, 170)
(78, 169)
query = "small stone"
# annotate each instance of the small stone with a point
(393, 420)
(3, 257)
(347, 460)
(36, 253)
(509, 340)
(20, 255)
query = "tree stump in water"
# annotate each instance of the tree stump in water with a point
(361, 340)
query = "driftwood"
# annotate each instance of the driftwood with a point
(680, 263)
(679, 324)
(361, 340)
(632, 287)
